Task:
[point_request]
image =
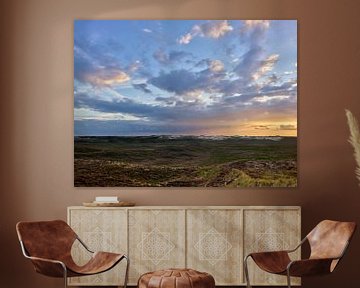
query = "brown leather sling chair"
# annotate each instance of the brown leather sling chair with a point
(48, 245)
(328, 242)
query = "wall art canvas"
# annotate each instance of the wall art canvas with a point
(185, 103)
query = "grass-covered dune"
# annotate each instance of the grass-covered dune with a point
(200, 161)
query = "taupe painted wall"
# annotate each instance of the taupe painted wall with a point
(36, 110)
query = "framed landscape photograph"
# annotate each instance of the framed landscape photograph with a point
(185, 103)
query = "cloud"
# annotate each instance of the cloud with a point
(161, 56)
(261, 127)
(179, 110)
(146, 30)
(273, 79)
(178, 55)
(213, 29)
(267, 98)
(250, 63)
(254, 63)
(173, 56)
(171, 100)
(183, 81)
(98, 53)
(216, 66)
(285, 87)
(253, 31)
(238, 93)
(213, 65)
(95, 65)
(176, 81)
(214, 80)
(106, 93)
(178, 113)
(256, 24)
(287, 127)
(91, 114)
(143, 87)
(125, 105)
(266, 66)
(185, 39)
(107, 77)
(230, 50)
(134, 66)
(194, 96)
(175, 112)
(203, 63)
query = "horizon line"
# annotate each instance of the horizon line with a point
(184, 135)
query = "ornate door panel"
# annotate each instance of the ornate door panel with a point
(214, 244)
(156, 240)
(269, 230)
(101, 230)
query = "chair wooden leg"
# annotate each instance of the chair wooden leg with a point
(246, 271)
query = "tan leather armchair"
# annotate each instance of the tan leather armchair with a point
(48, 245)
(328, 242)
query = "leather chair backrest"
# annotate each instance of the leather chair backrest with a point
(329, 239)
(47, 239)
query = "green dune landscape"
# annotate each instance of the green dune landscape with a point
(179, 161)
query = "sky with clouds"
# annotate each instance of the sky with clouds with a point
(185, 77)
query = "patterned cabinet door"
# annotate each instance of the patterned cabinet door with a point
(101, 230)
(156, 240)
(270, 230)
(214, 244)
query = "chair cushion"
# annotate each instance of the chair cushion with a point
(176, 278)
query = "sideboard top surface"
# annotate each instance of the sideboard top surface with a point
(192, 207)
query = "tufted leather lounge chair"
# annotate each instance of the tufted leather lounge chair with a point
(48, 245)
(328, 242)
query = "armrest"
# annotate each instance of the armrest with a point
(309, 267)
(280, 251)
(298, 246)
(45, 260)
(48, 267)
(83, 244)
(269, 253)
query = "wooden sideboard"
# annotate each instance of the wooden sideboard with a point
(212, 239)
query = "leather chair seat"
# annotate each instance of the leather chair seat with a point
(272, 262)
(99, 262)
